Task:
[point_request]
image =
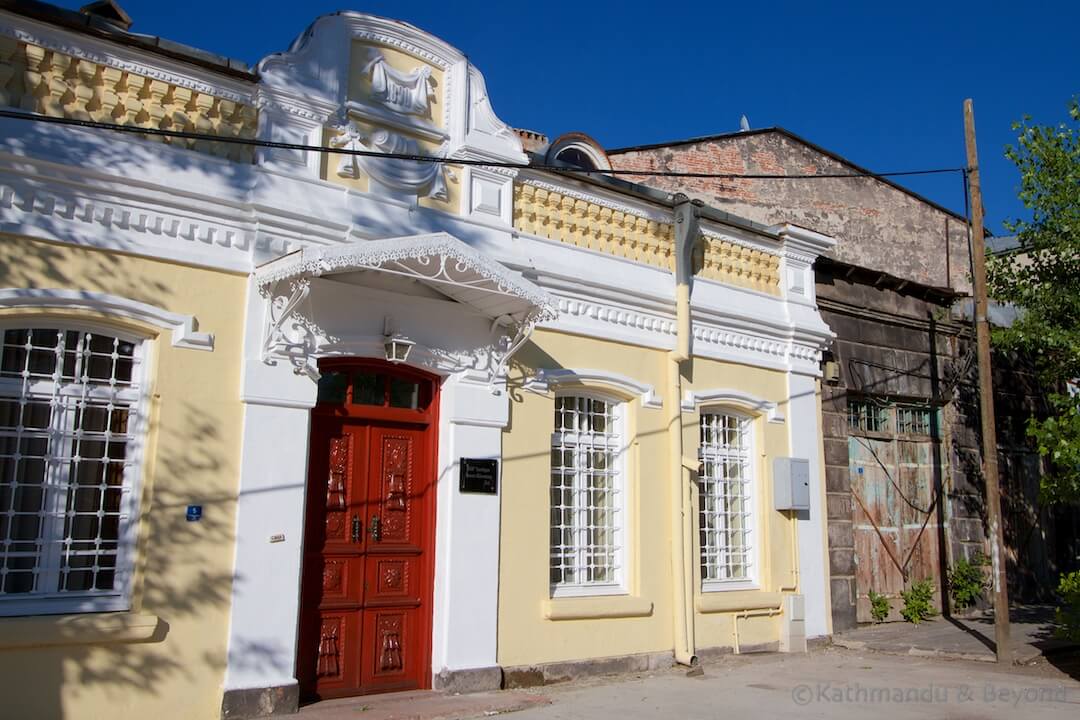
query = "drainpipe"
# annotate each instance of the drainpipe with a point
(686, 236)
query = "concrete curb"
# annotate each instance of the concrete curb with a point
(911, 651)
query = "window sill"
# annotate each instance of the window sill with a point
(597, 607)
(86, 629)
(738, 600)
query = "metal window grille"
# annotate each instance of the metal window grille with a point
(868, 416)
(586, 493)
(69, 434)
(725, 498)
(913, 420)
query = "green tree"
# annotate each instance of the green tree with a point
(1043, 279)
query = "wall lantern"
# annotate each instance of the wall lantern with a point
(397, 346)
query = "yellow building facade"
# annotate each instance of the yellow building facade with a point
(312, 417)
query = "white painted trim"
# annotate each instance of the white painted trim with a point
(625, 476)
(755, 558)
(131, 503)
(737, 398)
(543, 381)
(184, 334)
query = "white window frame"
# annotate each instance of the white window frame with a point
(119, 598)
(751, 519)
(621, 507)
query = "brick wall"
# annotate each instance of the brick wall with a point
(876, 225)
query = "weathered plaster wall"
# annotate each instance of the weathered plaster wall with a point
(876, 225)
(184, 570)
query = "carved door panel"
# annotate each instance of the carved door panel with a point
(332, 589)
(365, 618)
(394, 612)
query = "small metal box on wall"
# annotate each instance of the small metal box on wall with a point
(791, 483)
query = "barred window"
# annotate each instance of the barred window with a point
(587, 488)
(70, 428)
(913, 420)
(868, 416)
(726, 501)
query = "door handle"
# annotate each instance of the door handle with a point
(357, 529)
(376, 528)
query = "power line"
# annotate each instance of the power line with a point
(253, 142)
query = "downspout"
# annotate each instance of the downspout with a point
(686, 236)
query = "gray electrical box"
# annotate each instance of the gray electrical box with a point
(791, 483)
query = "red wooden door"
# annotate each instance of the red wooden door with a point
(366, 588)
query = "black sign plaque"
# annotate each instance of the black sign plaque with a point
(479, 475)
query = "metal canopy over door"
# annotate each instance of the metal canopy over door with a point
(365, 622)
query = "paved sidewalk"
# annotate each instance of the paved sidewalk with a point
(960, 638)
(421, 705)
(830, 682)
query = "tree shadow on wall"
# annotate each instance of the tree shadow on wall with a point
(183, 576)
(184, 570)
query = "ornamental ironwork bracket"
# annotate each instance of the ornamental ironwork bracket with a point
(287, 334)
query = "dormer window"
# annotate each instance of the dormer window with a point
(575, 157)
(577, 150)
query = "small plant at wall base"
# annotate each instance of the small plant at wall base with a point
(879, 607)
(967, 581)
(1067, 616)
(918, 602)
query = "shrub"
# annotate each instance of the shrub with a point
(967, 582)
(918, 602)
(1068, 615)
(879, 607)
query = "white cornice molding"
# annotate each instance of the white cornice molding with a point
(544, 380)
(183, 330)
(803, 244)
(694, 399)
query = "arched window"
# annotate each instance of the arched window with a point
(577, 158)
(577, 150)
(71, 431)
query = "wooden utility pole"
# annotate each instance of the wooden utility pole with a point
(986, 394)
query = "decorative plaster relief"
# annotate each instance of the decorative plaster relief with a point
(409, 176)
(558, 214)
(411, 93)
(56, 84)
(592, 222)
(486, 195)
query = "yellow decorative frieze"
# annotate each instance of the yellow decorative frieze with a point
(549, 213)
(740, 265)
(45, 81)
(557, 216)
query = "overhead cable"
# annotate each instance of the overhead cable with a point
(568, 170)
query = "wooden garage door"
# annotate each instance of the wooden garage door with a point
(891, 456)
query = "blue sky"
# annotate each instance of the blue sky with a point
(879, 83)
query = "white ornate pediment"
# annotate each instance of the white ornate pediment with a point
(413, 83)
